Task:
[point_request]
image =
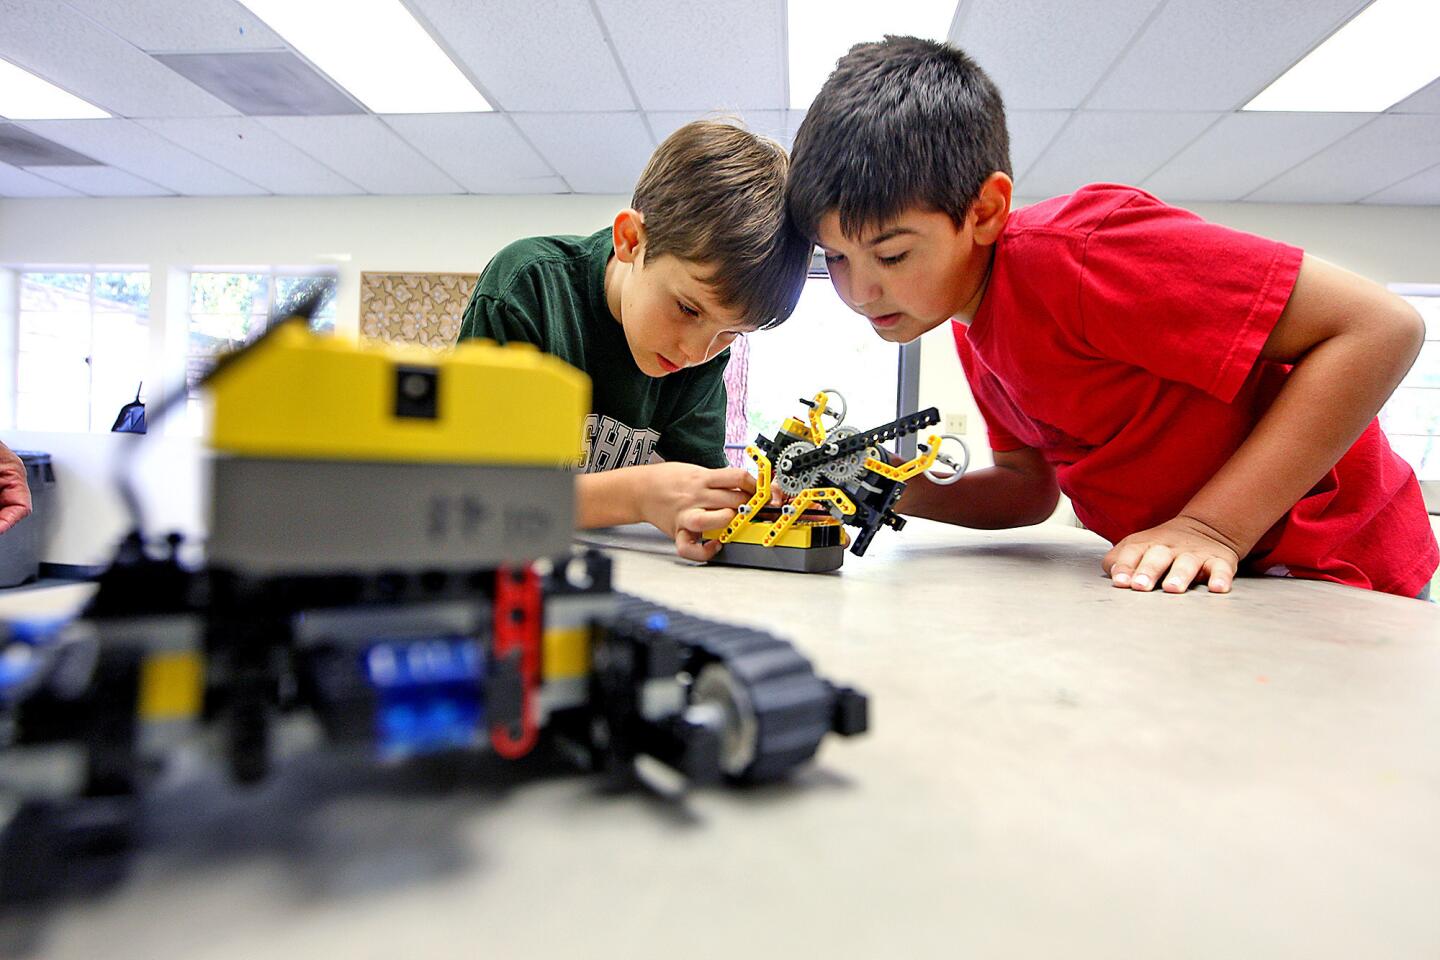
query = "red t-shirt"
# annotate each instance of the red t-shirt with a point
(1121, 338)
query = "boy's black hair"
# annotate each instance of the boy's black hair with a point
(901, 123)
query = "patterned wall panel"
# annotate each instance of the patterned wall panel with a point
(422, 308)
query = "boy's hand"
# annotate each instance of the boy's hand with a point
(684, 500)
(14, 489)
(1181, 551)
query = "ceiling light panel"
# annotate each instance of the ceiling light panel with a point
(24, 96)
(376, 50)
(1387, 52)
(822, 31)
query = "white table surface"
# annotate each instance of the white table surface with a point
(1056, 768)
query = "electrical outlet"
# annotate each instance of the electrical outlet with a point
(955, 423)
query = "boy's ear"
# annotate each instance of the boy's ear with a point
(629, 235)
(992, 207)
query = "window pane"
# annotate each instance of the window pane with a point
(226, 311)
(1422, 453)
(52, 363)
(1426, 371)
(42, 291)
(291, 290)
(1429, 308)
(125, 292)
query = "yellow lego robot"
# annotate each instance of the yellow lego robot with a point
(827, 478)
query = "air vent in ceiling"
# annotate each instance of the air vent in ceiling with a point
(271, 83)
(21, 148)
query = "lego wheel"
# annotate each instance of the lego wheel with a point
(834, 396)
(775, 709)
(739, 732)
(957, 466)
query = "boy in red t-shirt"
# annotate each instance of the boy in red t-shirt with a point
(1205, 397)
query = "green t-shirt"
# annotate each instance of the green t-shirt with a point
(550, 291)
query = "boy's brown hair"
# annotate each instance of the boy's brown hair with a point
(714, 193)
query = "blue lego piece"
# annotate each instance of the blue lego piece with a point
(428, 694)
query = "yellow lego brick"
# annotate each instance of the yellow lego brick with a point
(565, 652)
(295, 394)
(171, 686)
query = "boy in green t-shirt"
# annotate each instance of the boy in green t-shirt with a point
(647, 308)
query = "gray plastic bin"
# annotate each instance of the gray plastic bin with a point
(20, 546)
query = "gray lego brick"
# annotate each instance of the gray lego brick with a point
(273, 517)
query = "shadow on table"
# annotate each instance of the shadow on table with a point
(337, 825)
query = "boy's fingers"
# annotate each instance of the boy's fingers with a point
(1221, 574)
(1120, 562)
(713, 499)
(731, 478)
(689, 546)
(697, 520)
(1152, 566)
(1182, 573)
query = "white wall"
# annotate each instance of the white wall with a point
(353, 234)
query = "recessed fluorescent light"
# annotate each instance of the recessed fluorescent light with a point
(822, 31)
(24, 96)
(1387, 52)
(376, 50)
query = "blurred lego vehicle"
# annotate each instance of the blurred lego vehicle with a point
(390, 561)
(828, 478)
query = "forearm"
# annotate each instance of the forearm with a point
(989, 499)
(608, 498)
(1330, 396)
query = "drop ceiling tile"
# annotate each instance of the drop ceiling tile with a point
(1424, 100)
(1246, 150)
(126, 144)
(484, 152)
(1378, 155)
(1030, 133)
(1216, 54)
(1110, 147)
(703, 56)
(155, 25)
(15, 182)
(1045, 55)
(767, 123)
(101, 181)
(530, 55)
(247, 149)
(594, 152)
(56, 43)
(1423, 189)
(365, 152)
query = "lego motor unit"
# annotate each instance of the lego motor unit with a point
(390, 562)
